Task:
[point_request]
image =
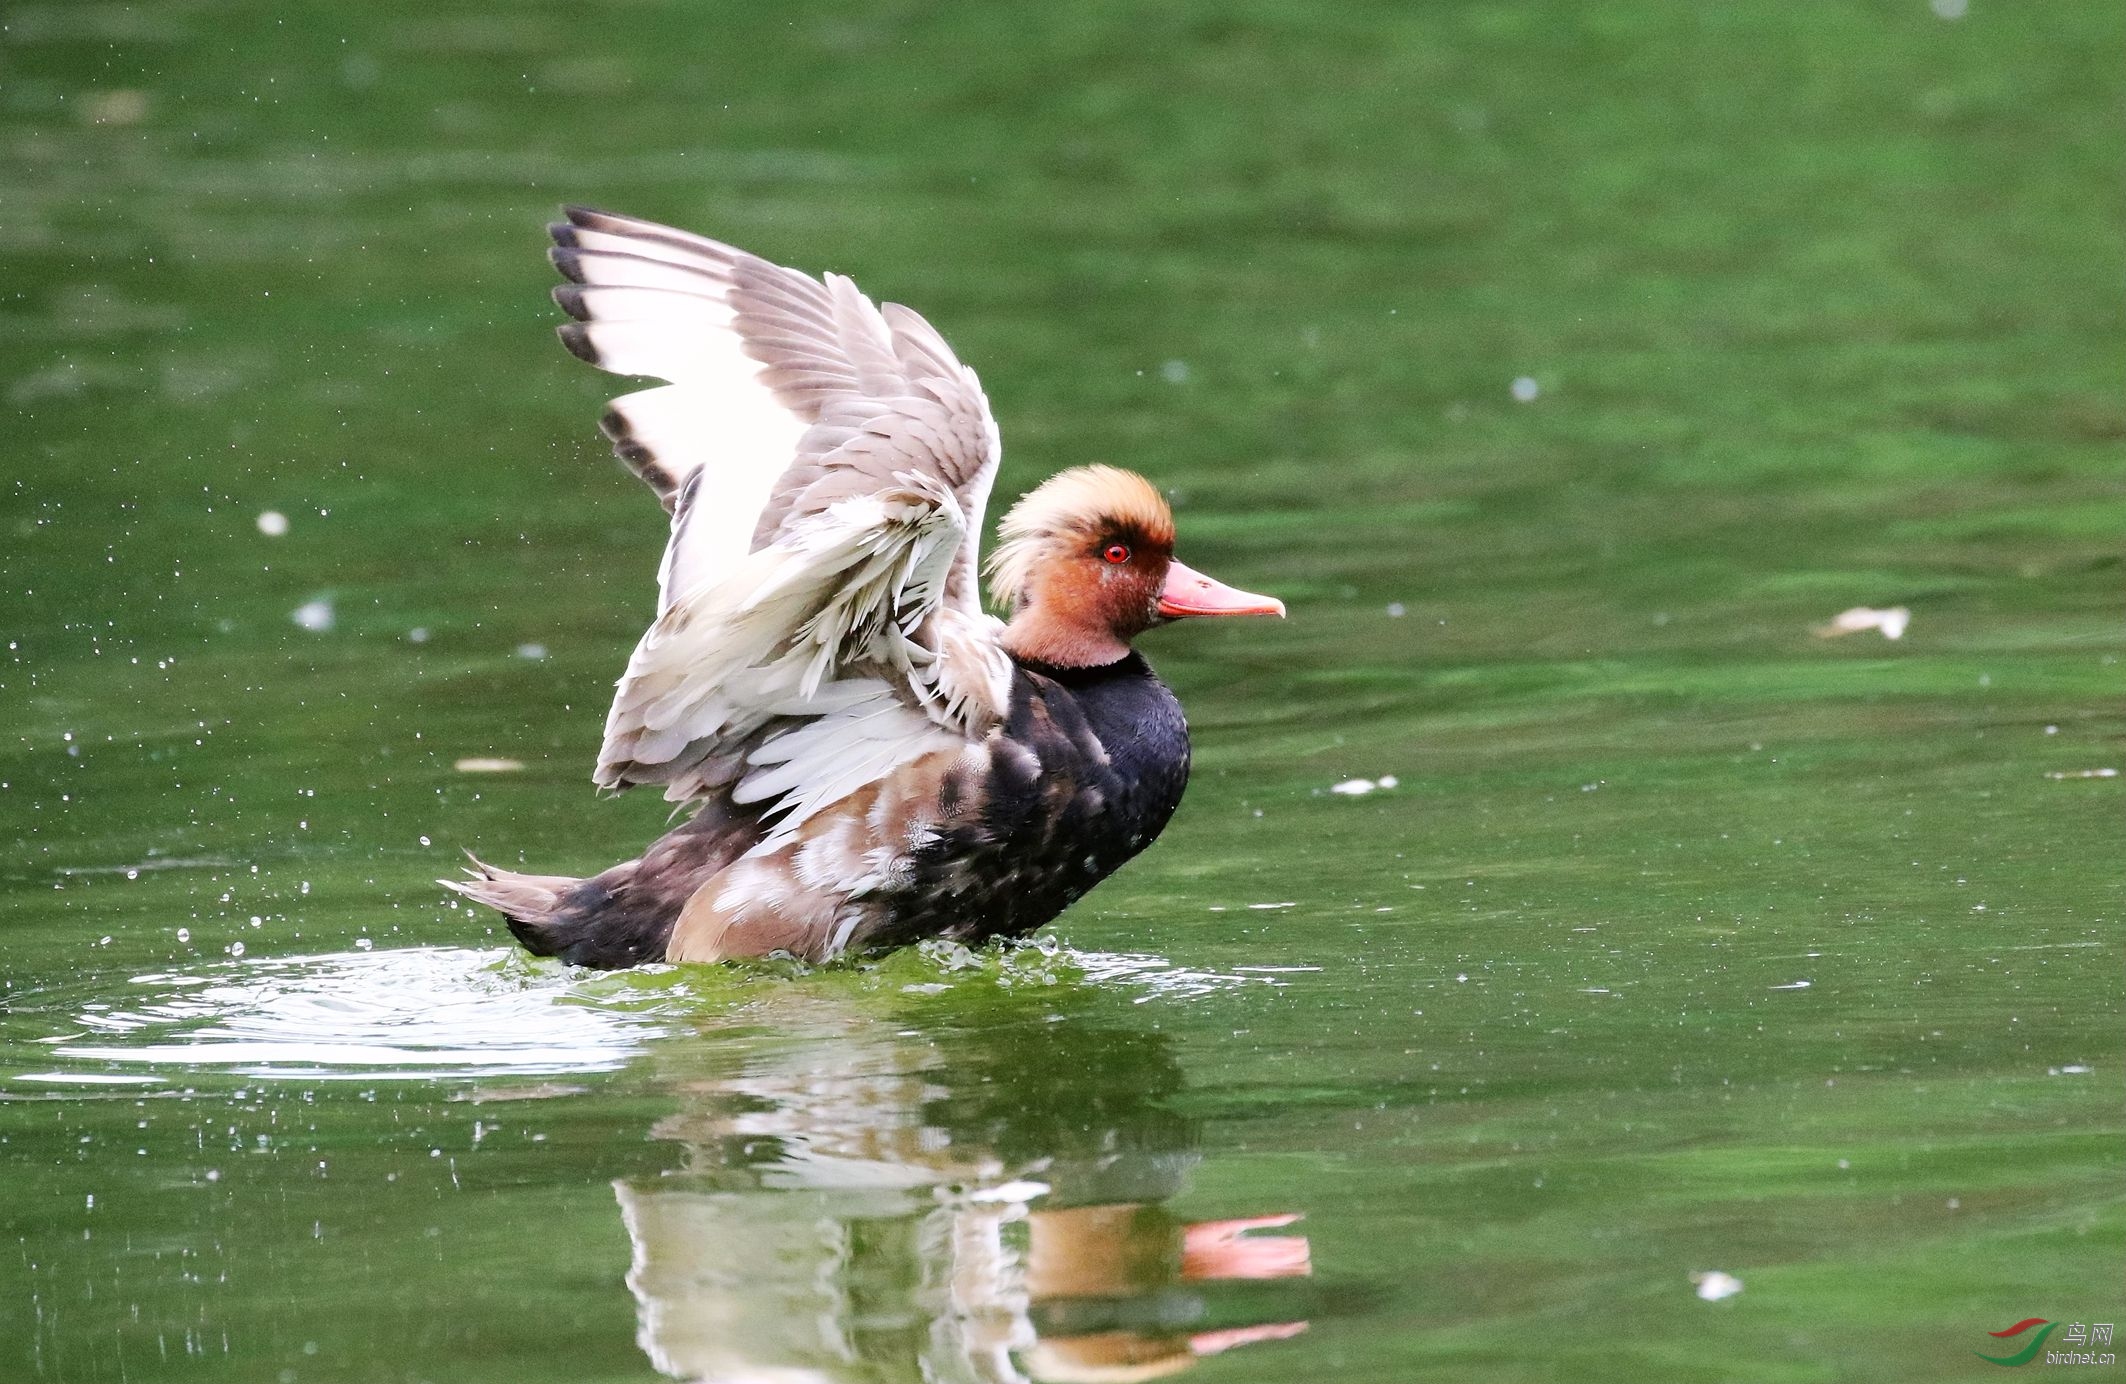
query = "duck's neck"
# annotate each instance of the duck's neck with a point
(1036, 634)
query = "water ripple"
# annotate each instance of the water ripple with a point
(417, 1012)
(1159, 977)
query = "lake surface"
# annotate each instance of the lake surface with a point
(1565, 369)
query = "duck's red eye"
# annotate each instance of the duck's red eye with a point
(1117, 553)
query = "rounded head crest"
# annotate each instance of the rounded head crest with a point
(1085, 510)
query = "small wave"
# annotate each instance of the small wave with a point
(1157, 976)
(414, 1012)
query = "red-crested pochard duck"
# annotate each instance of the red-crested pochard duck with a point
(871, 759)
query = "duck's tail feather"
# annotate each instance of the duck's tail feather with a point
(600, 922)
(530, 903)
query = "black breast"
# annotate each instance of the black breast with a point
(1084, 773)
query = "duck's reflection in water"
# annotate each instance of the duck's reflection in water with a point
(868, 1201)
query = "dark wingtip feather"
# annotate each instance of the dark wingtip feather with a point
(643, 462)
(613, 223)
(570, 298)
(639, 458)
(565, 259)
(578, 340)
(609, 222)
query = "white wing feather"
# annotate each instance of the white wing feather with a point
(827, 463)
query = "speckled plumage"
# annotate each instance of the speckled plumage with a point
(1084, 774)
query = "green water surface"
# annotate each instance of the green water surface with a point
(1686, 941)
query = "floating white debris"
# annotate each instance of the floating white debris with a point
(2081, 773)
(534, 652)
(1526, 390)
(483, 764)
(417, 635)
(272, 523)
(1359, 787)
(2071, 1069)
(1891, 621)
(124, 106)
(313, 615)
(1715, 1285)
(1293, 904)
(1796, 985)
(1950, 9)
(1397, 610)
(1025, 1189)
(1174, 372)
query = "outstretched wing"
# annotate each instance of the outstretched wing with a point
(827, 464)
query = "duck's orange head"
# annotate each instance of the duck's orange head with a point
(1087, 564)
